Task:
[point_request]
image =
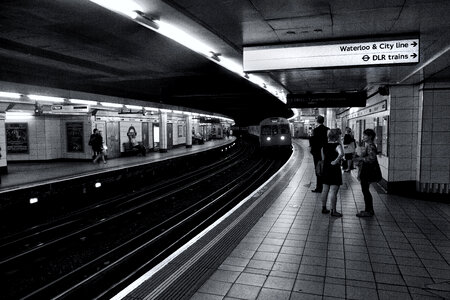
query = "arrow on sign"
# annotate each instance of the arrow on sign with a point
(414, 44)
(365, 57)
(414, 55)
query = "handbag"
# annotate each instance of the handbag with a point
(319, 168)
(370, 172)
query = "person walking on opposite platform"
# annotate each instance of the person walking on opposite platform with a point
(332, 154)
(369, 171)
(97, 146)
(92, 141)
(316, 142)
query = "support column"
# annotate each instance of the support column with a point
(188, 131)
(3, 163)
(163, 132)
(331, 118)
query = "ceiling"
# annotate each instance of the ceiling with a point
(81, 46)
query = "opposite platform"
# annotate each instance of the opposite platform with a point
(28, 174)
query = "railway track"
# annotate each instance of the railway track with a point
(100, 248)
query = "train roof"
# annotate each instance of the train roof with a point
(273, 120)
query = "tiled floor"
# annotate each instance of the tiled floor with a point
(295, 252)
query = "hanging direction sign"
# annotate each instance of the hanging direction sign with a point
(343, 99)
(335, 55)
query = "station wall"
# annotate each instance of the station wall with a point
(413, 136)
(47, 138)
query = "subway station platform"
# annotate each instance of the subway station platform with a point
(29, 174)
(278, 245)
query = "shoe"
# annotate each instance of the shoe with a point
(363, 214)
(325, 210)
(104, 162)
(335, 214)
(316, 191)
(346, 171)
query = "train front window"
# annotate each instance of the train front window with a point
(266, 129)
(274, 129)
(284, 129)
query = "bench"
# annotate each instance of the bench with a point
(129, 149)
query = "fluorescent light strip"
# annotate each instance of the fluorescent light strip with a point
(79, 101)
(133, 106)
(10, 95)
(45, 98)
(108, 104)
(125, 7)
(151, 108)
(16, 115)
(165, 110)
(184, 38)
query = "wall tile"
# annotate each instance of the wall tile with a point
(440, 150)
(441, 138)
(440, 164)
(426, 151)
(425, 176)
(402, 175)
(439, 177)
(426, 164)
(441, 98)
(441, 112)
(404, 151)
(402, 164)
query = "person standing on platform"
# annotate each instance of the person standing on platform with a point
(349, 149)
(97, 146)
(316, 142)
(368, 171)
(332, 153)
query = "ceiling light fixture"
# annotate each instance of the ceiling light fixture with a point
(18, 115)
(133, 106)
(45, 98)
(80, 101)
(215, 56)
(10, 95)
(108, 104)
(125, 7)
(146, 20)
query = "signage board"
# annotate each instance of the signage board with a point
(16, 138)
(331, 55)
(75, 134)
(356, 99)
(68, 109)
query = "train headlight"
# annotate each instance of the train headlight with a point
(282, 138)
(268, 138)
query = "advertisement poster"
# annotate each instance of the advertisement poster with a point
(16, 137)
(74, 136)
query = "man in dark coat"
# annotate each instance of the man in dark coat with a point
(317, 141)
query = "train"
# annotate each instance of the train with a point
(273, 133)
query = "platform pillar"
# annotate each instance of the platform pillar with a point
(163, 132)
(331, 118)
(3, 163)
(188, 131)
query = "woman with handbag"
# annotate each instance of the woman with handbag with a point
(349, 149)
(369, 171)
(332, 154)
